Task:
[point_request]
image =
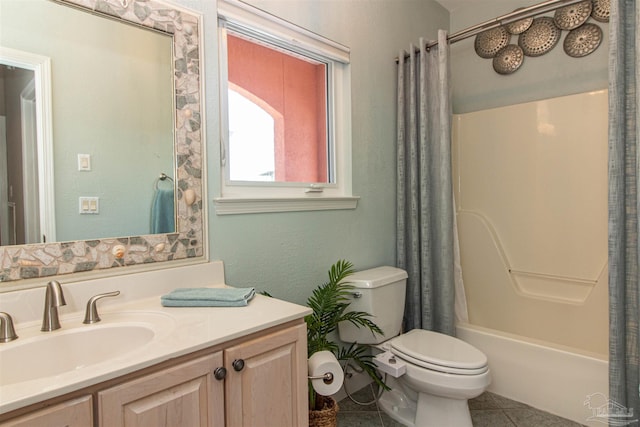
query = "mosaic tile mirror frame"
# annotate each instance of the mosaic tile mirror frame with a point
(49, 259)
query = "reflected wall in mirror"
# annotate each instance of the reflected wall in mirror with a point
(133, 111)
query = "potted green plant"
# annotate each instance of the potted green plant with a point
(329, 303)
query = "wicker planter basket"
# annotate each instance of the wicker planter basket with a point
(327, 416)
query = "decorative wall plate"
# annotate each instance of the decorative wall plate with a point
(508, 59)
(583, 40)
(519, 26)
(601, 10)
(540, 38)
(489, 42)
(571, 17)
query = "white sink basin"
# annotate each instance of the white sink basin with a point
(37, 355)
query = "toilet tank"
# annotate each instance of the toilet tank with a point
(380, 292)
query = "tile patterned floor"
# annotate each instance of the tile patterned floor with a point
(487, 410)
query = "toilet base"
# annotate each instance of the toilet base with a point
(396, 404)
(442, 412)
(428, 411)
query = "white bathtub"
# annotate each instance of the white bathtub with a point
(554, 379)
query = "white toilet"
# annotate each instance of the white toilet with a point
(436, 373)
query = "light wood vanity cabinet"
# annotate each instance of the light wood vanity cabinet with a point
(72, 413)
(265, 386)
(184, 395)
(266, 383)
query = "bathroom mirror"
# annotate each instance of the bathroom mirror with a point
(171, 144)
(101, 131)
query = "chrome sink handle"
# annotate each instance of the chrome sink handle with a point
(7, 333)
(91, 314)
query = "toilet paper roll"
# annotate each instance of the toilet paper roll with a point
(320, 363)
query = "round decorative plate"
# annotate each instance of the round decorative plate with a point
(601, 10)
(570, 17)
(519, 26)
(583, 40)
(489, 42)
(540, 38)
(508, 59)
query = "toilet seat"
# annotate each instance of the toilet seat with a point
(439, 352)
(439, 368)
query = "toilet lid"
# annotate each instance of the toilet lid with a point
(439, 352)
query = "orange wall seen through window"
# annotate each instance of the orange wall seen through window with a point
(296, 89)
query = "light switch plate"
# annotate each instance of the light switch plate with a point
(84, 162)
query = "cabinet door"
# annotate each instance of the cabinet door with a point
(74, 413)
(186, 395)
(271, 388)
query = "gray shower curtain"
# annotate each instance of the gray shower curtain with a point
(425, 214)
(624, 179)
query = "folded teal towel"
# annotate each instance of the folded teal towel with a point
(208, 297)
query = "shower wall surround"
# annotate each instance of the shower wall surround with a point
(531, 193)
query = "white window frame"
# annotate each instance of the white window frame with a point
(253, 197)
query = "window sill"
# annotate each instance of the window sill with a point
(235, 206)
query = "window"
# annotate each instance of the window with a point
(286, 116)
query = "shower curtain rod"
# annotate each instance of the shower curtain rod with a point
(516, 15)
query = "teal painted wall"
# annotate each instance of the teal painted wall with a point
(288, 254)
(476, 86)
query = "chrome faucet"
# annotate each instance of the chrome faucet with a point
(7, 333)
(91, 313)
(53, 299)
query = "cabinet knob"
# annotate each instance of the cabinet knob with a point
(238, 365)
(220, 373)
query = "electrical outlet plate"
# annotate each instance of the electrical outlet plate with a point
(89, 205)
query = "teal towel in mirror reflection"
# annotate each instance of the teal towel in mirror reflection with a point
(208, 297)
(162, 217)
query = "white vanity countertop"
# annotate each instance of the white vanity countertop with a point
(184, 330)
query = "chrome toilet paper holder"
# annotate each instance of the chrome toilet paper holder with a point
(327, 377)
